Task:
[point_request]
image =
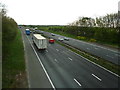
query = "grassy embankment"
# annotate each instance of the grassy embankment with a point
(14, 73)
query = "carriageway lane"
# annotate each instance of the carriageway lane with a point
(100, 51)
(64, 68)
(36, 75)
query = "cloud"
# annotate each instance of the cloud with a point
(57, 11)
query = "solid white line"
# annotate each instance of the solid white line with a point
(70, 58)
(29, 86)
(43, 66)
(57, 50)
(77, 82)
(94, 57)
(46, 50)
(97, 65)
(97, 77)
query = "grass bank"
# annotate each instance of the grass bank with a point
(13, 64)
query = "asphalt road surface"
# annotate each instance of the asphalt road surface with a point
(36, 75)
(58, 67)
(97, 50)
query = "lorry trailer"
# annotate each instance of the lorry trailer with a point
(40, 41)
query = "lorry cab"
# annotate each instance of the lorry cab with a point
(27, 31)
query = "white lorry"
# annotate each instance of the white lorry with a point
(40, 41)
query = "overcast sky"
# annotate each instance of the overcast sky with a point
(57, 12)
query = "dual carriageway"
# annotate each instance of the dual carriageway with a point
(59, 67)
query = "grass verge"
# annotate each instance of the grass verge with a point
(13, 65)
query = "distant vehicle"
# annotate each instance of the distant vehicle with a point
(60, 39)
(51, 40)
(65, 38)
(27, 31)
(40, 41)
(41, 32)
(35, 28)
(53, 34)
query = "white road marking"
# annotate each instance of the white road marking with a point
(56, 60)
(46, 50)
(42, 66)
(109, 56)
(88, 48)
(70, 58)
(97, 46)
(77, 82)
(96, 77)
(57, 50)
(94, 57)
(97, 64)
(28, 77)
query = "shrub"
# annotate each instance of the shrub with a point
(81, 38)
(92, 40)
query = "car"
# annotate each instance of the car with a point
(53, 34)
(65, 38)
(60, 39)
(51, 40)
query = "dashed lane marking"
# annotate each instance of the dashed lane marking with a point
(77, 82)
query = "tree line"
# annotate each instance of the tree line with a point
(110, 20)
(9, 30)
(102, 29)
(99, 34)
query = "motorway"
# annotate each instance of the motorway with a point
(97, 50)
(58, 67)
